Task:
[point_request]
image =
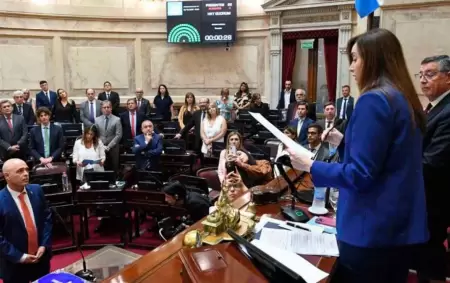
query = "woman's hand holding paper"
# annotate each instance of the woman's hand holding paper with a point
(300, 160)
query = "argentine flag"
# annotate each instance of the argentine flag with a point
(365, 7)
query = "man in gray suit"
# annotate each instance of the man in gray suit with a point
(13, 133)
(110, 132)
(143, 105)
(90, 109)
(315, 145)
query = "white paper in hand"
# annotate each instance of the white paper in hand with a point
(299, 150)
(334, 137)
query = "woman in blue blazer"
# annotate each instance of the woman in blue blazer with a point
(381, 217)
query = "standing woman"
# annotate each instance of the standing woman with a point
(226, 106)
(64, 110)
(243, 96)
(212, 129)
(187, 110)
(381, 215)
(163, 103)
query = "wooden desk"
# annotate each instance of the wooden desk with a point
(164, 265)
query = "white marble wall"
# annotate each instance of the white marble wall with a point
(79, 44)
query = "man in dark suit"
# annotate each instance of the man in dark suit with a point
(46, 97)
(435, 83)
(111, 96)
(22, 108)
(148, 148)
(315, 145)
(196, 121)
(143, 105)
(25, 227)
(345, 104)
(131, 121)
(301, 123)
(287, 96)
(13, 133)
(46, 140)
(300, 95)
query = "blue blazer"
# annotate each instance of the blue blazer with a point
(303, 137)
(37, 142)
(382, 197)
(42, 100)
(13, 235)
(147, 155)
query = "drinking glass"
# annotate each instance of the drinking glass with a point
(334, 196)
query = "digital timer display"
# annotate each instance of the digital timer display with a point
(211, 21)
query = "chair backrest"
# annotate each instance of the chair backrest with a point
(170, 127)
(193, 183)
(259, 152)
(174, 146)
(273, 144)
(217, 148)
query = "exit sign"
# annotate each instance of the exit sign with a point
(307, 44)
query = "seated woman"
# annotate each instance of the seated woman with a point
(88, 147)
(213, 129)
(290, 133)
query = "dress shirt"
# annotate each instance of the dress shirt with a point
(133, 117)
(107, 95)
(437, 100)
(344, 106)
(138, 102)
(20, 109)
(287, 98)
(15, 196)
(11, 117)
(299, 125)
(329, 121)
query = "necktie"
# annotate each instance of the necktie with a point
(427, 110)
(344, 109)
(29, 225)
(139, 103)
(328, 124)
(299, 127)
(313, 150)
(106, 123)
(203, 115)
(107, 96)
(48, 96)
(91, 113)
(10, 123)
(133, 133)
(20, 110)
(46, 142)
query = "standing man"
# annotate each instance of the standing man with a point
(110, 132)
(143, 104)
(300, 95)
(25, 227)
(22, 108)
(196, 121)
(46, 97)
(13, 133)
(90, 109)
(131, 121)
(287, 96)
(345, 104)
(434, 78)
(148, 148)
(111, 96)
(301, 123)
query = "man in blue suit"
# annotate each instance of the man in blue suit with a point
(147, 147)
(46, 140)
(25, 226)
(46, 97)
(301, 123)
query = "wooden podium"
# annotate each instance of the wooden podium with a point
(221, 263)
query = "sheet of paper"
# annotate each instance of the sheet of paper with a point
(334, 137)
(294, 262)
(313, 229)
(264, 220)
(284, 139)
(301, 242)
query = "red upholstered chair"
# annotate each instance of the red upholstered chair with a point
(210, 174)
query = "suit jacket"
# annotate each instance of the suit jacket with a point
(350, 106)
(84, 112)
(19, 134)
(381, 172)
(292, 108)
(37, 142)
(281, 99)
(436, 159)
(196, 122)
(341, 128)
(113, 134)
(145, 107)
(114, 98)
(13, 235)
(126, 126)
(42, 100)
(303, 137)
(27, 113)
(322, 154)
(147, 155)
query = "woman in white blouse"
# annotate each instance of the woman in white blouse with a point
(213, 128)
(290, 132)
(88, 147)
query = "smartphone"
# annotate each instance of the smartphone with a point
(326, 221)
(233, 150)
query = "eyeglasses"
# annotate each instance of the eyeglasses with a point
(427, 75)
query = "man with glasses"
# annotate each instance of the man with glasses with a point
(315, 145)
(434, 79)
(143, 105)
(22, 108)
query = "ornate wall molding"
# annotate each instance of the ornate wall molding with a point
(311, 19)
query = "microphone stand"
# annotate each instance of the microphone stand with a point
(85, 273)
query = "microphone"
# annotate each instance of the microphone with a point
(85, 273)
(338, 122)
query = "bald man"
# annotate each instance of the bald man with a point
(148, 148)
(143, 105)
(25, 226)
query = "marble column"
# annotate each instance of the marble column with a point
(58, 58)
(139, 80)
(343, 73)
(275, 59)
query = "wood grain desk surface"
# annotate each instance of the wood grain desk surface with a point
(164, 265)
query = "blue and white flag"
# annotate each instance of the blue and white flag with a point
(365, 7)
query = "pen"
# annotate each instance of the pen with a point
(298, 227)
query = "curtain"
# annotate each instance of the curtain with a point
(289, 53)
(331, 58)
